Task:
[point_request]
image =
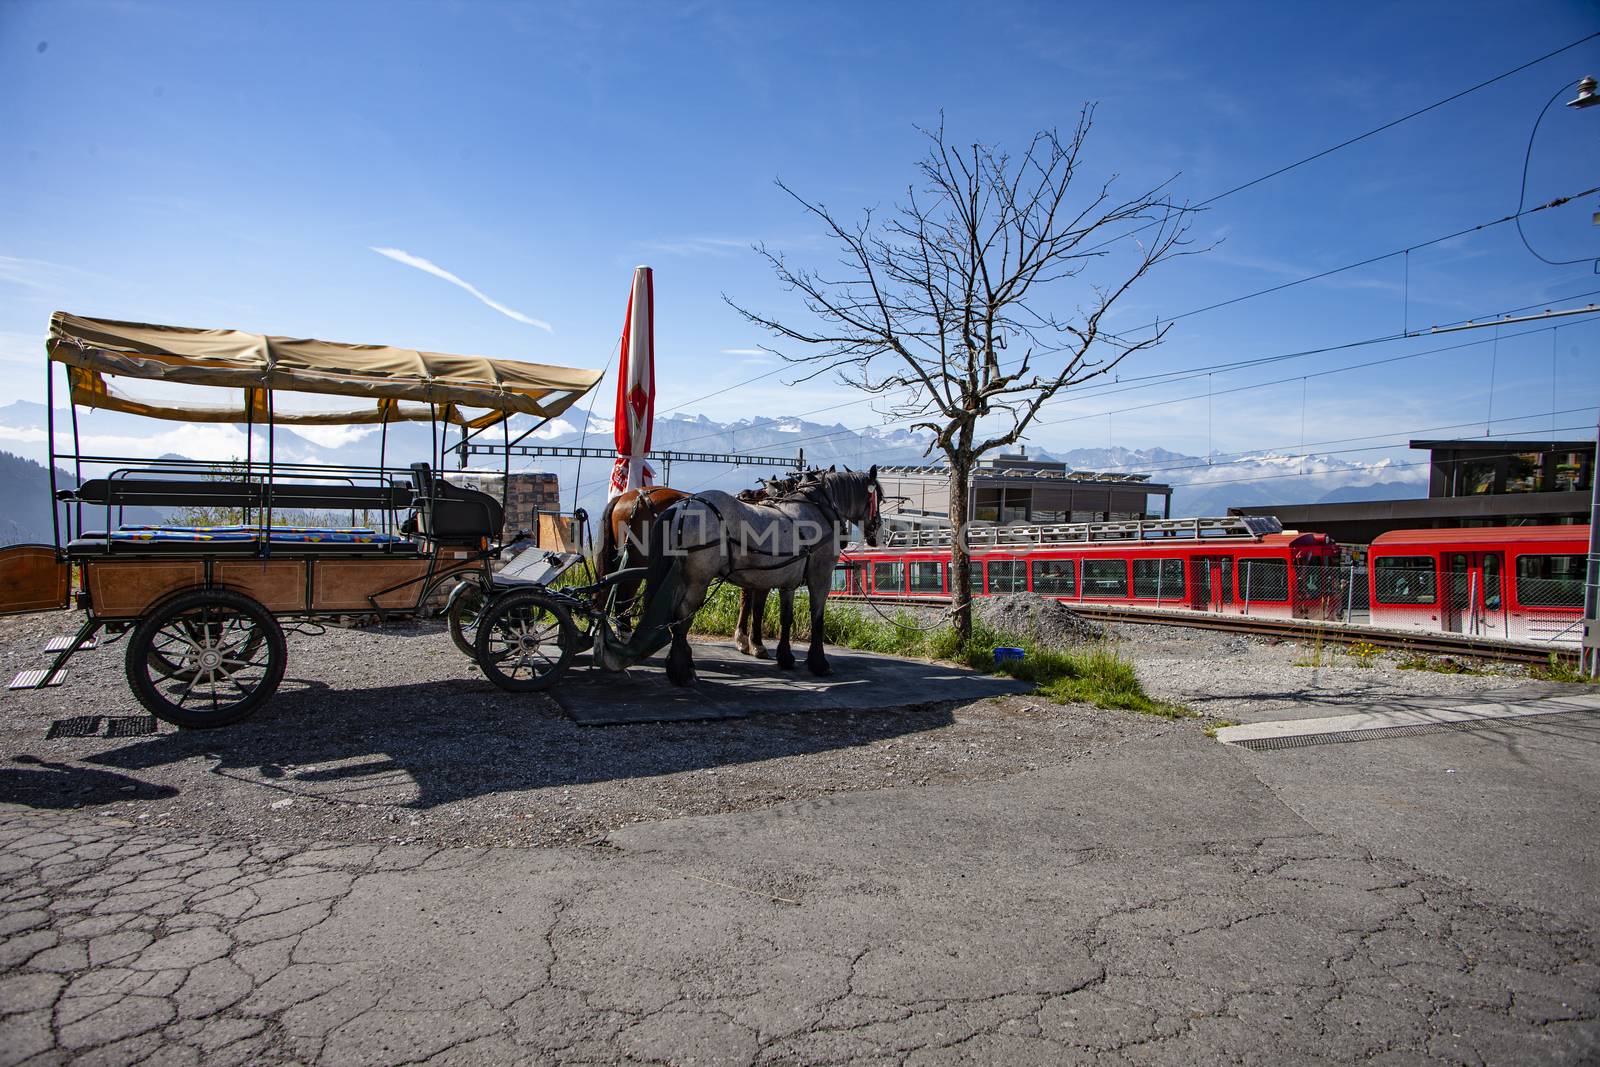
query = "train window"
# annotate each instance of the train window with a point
(1404, 579)
(1550, 581)
(888, 577)
(1007, 576)
(1105, 577)
(841, 580)
(1055, 577)
(975, 575)
(1263, 579)
(1158, 579)
(926, 576)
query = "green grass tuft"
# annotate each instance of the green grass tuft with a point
(1094, 674)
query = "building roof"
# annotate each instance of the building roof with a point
(1473, 444)
(1479, 535)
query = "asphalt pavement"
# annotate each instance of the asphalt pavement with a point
(1164, 900)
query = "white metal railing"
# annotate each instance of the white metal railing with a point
(1229, 527)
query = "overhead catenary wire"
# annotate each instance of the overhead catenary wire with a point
(1242, 186)
(1194, 396)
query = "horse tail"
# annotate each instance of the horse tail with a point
(606, 560)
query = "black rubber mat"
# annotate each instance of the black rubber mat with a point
(77, 726)
(130, 725)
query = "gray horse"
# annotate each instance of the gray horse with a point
(795, 537)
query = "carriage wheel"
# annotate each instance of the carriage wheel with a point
(525, 641)
(168, 667)
(206, 659)
(465, 609)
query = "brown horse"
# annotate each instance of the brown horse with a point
(627, 519)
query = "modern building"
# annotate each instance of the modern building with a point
(1011, 487)
(1470, 483)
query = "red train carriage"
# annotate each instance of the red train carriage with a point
(1515, 583)
(1237, 565)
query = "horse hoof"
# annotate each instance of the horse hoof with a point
(759, 653)
(819, 667)
(785, 662)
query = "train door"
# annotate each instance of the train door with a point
(1474, 593)
(1211, 583)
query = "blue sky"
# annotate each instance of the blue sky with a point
(235, 164)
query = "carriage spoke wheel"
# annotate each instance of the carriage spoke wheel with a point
(466, 608)
(206, 659)
(525, 641)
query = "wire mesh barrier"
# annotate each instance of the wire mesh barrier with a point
(1538, 602)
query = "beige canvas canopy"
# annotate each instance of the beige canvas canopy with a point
(97, 349)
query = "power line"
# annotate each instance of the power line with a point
(1258, 180)
(1416, 463)
(1294, 378)
(1278, 451)
(1162, 403)
(1515, 216)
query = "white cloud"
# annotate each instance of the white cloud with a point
(333, 436)
(437, 271)
(698, 246)
(743, 352)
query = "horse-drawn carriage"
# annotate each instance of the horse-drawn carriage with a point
(202, 603)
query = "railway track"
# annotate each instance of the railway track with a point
(1431, 644)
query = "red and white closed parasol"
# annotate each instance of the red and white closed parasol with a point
(636, 388)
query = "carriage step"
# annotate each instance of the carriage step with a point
(130, 725)
(77, 726)
(64, 642)
(34, 679)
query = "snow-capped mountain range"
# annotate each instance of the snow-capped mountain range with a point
(1201, 488)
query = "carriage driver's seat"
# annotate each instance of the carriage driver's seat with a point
(451, 513)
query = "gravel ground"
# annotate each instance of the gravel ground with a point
(1250, 679)
(390, 735)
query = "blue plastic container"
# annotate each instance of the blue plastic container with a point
(1007, 654)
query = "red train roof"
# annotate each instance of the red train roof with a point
(1480, 535)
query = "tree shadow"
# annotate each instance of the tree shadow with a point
(40, 784)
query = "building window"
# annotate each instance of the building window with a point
(1569, 472)
(1105, 577)
(888, 578)
(1522, 473)
(1477, 477)
(1002, 505)
(1264, 579)
(1158, 579)
(1404, 579)
(1007, 576)
(1055, 577)
(1550, 581)
(927, 576)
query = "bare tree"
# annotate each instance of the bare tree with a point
(951, 307)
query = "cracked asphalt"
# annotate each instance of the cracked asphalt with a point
(1006, 882)
(1153, 903)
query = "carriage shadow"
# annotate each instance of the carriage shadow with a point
(431, 744)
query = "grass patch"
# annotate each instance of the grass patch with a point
(1415, 661)
(1560, 670)
(1094, 674)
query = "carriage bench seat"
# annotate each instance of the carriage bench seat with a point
(199, 492)
(241, 540)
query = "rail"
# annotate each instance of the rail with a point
(1443, 644)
